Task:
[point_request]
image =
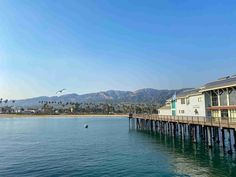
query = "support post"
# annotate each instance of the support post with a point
(193, 127)
(209, 137)
(230, 145)
(234, 138)
(223, 137)
(217, 135)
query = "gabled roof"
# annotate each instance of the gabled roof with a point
(220, 83)
(165, 107)
(187, 93)
(229, 81)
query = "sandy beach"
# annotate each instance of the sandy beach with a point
(60, 116)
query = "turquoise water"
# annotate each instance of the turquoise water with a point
(63, 147)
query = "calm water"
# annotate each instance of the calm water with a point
(63, 147)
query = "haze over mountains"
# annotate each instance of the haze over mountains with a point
(147, 95)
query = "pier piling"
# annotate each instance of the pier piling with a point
(205, 131)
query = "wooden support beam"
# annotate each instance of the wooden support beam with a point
(217, 135)
(193, 130)
(223, 137)
(230, 145)
(182, 130)
(209, 136)
(234, 138)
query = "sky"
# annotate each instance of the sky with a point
(88, 46)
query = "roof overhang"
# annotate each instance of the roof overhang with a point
(195, 94)
(217, 88)
(221, 107)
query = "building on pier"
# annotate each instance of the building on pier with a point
(220, 97)
(214, 99)
(187, 103)
(169, 109)
(190, 103)
(166, 109)
(207, 114)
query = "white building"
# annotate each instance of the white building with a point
(165, 110)
(190, 103)
(214, 99)
(187, 103)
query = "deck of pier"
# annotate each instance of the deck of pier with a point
(203, 121)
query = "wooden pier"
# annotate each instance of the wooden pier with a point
(210, 130)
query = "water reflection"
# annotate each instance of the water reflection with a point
(194, 159)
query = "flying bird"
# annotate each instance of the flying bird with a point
(60, 91)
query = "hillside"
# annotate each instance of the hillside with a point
(112, 96)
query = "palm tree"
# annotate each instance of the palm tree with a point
(6, 101)
(13, 102)
(1, 101)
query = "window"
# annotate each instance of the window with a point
(199, 99)
(187, 101)
(233, 113)
(173, 113)
(232, 96)
(223, 98)
(173, 104)
(224, 113)
(209, 113)
(182, 100)
(215, 113)
(214, 99)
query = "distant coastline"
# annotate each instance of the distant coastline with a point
(61, 115)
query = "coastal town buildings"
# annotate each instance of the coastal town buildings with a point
(5, 110)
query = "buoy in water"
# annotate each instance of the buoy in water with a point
(85, 126)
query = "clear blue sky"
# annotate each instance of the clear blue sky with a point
(88, 46)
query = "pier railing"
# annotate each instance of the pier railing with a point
(206, 121)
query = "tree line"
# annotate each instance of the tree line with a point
(62, 107)
(97, 108)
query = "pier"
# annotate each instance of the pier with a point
(212, 131)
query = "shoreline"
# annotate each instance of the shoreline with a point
(62, 116)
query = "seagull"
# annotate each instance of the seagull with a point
(60, 91)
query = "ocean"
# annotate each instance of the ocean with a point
(63, 147)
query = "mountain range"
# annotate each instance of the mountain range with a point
(147, 95)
